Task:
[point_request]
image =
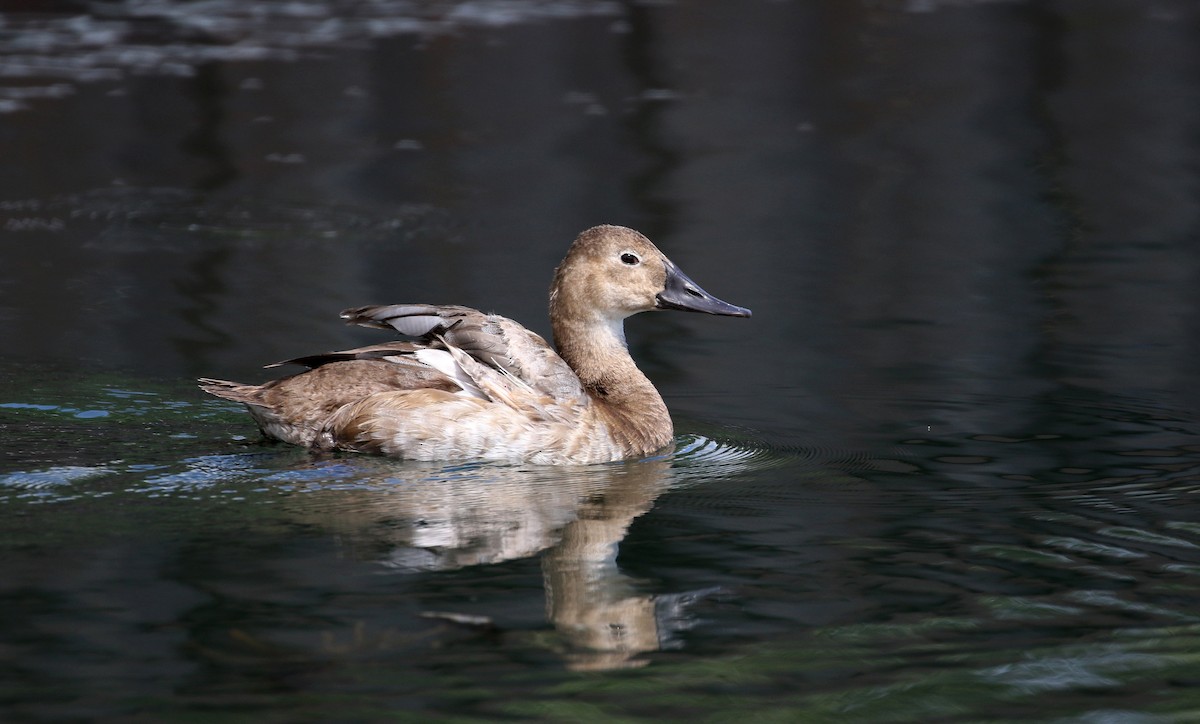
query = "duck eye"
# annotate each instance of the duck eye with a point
(630, 259)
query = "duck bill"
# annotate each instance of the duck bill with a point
(680, 292)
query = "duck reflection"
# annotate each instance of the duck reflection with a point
(588, 599)
(448, 518)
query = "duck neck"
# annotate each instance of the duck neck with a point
(598, 354)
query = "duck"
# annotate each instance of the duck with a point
(468, 385)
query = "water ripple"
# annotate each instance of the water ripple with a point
(53, 477)
(108, 43)
(715, 458)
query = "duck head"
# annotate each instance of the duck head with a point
(613, 272)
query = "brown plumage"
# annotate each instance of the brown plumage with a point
(481, 386)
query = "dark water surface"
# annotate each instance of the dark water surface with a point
(948, 471)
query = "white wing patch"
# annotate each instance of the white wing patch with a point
(444, 362)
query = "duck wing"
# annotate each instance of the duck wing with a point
(490, 340)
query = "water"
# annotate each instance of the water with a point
(948, 471)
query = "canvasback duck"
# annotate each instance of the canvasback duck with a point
(481, 386)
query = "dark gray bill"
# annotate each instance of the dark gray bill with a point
(680, 292)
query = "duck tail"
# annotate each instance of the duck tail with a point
(233, 391)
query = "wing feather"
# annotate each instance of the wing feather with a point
(489, 339)
(375, 351)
